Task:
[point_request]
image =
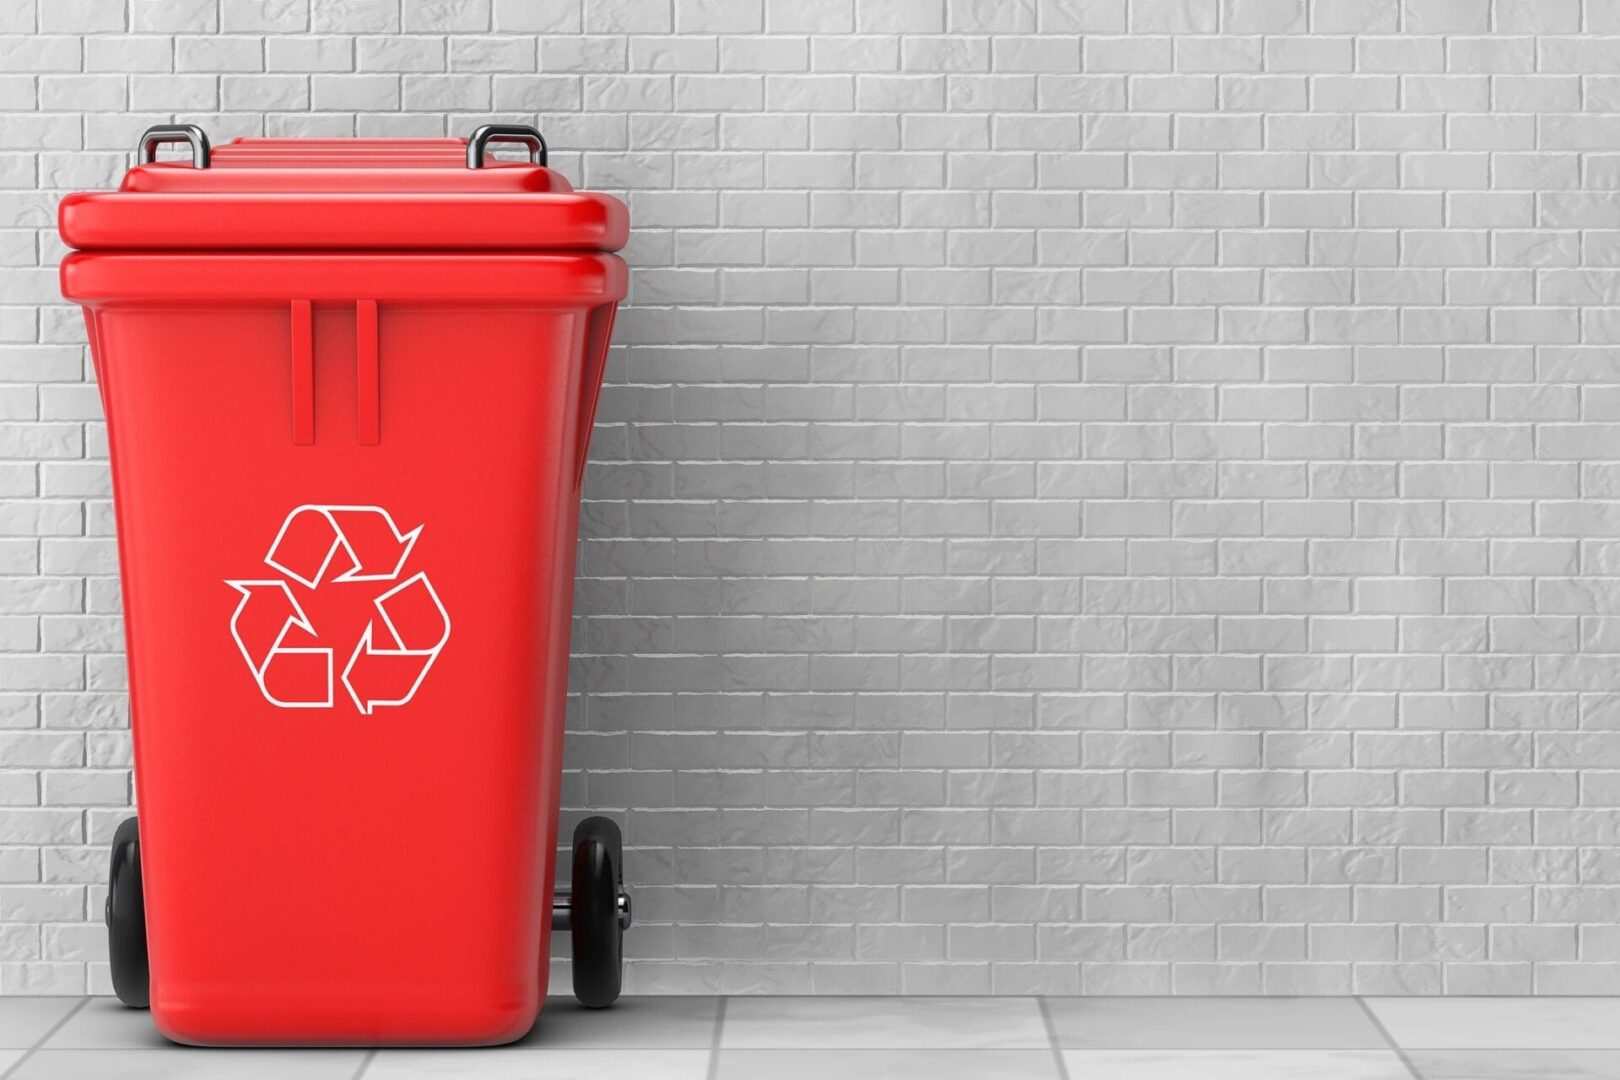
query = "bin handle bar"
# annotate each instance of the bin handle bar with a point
(518, 133)
(174, 133)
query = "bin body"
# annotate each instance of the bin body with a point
(346, 491)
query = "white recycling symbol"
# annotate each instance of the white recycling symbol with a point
(321, 546)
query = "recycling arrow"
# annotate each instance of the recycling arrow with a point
(416, 627)
(287, 675)
(344, 547)
(364, 537)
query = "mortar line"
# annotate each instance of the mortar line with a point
(1400, 1051)
(43, 1039)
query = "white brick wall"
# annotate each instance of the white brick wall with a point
(1093, 495)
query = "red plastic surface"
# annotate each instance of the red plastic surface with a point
(104, 220)
(449, 153)
(502, 177)
(376, 454)
(348, 153)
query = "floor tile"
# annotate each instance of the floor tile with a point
(104, 1024)
(1156, 1023)
(1516, 1064)
(510, 1063)
(647, 1022)
(24, 1019)
(189, 1063)
(888, 1064)
(1236, 1065)
(786, 1023)
(1516, 1023)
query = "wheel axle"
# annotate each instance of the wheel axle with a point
(562, 910)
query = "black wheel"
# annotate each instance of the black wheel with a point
(126, 919)
(594, 916)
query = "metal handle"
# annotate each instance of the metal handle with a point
(174, 133)
(518, 133)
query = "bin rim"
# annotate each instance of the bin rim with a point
(100, 279)
(253, 221)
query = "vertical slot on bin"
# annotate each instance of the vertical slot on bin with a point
(303, 374)
(366, 373)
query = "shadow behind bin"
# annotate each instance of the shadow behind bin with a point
(349, 386)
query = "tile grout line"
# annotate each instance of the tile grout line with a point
(714, 1040)
(41, 1041)
(1400, 1051)
(365, 1063)
(1051, 1036)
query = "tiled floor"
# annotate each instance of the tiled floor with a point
(896, 1039)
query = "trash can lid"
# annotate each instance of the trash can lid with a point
(344, 194)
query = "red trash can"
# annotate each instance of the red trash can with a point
(349, 385)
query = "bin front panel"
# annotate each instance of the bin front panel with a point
(347, 645)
